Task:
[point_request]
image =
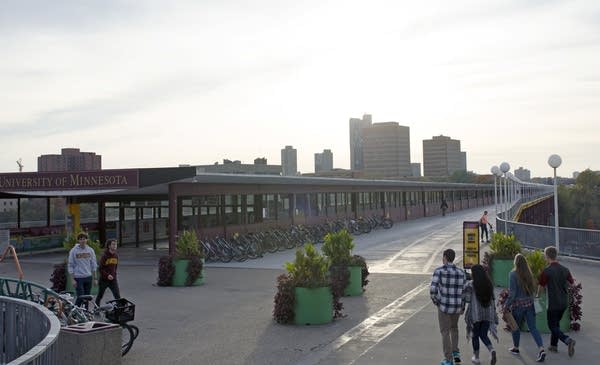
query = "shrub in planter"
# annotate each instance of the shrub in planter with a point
(346, 270)
(309, 282)
(166, 269)
(186, 267)
(499, 261)
(537, 263)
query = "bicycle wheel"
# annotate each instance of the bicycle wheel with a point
(128, 335)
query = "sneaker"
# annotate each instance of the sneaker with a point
(456, 356)
(475, 360)
(571, 347)
(446, 362)
(552, 348)
(514, 350)
(493, 361)
(541, 356)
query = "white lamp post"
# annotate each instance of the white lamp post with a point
(504, 167)
(495, 171)
(554, 161)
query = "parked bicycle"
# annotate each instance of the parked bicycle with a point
(118, 311)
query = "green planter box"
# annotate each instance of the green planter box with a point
(500, 270)
(313, 305)
(354, 287)
(541, 321)
(181, 273)
(69, 284)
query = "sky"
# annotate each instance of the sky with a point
(156, 83)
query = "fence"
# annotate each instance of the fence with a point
(28, 333)
(584, 243)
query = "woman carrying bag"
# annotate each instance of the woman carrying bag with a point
(521, 291)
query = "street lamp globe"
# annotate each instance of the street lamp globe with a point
(554, 161)
(495, 170)
(504, 167)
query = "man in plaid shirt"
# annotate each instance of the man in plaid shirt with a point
(446, 293)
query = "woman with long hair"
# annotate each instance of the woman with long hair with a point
(521, 291)
(481, 316)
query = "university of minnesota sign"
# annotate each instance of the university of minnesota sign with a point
(84, 180)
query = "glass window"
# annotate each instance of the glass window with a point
(33, 212)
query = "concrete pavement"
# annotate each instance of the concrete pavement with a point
(228, 320)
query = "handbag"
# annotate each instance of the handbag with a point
(511, 324)
(537, 306)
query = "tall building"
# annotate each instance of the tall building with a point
(356, 141)
(70, 159)
(386, 150)
(442, 156)
(416, 169)
(523, 174)
(289, 161)
(324, 161)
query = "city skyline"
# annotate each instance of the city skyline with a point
(148, 84)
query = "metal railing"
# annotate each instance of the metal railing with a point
(28, 333)
(584, 243)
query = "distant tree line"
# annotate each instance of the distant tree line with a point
(579, 204)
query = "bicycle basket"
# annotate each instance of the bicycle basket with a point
(124, 311)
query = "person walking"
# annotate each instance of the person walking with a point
(444, 207)
(82, 266)
(480, 316)
(555, 277)
(108, 271)
(446, 292)
(483, 223)
(521, 289)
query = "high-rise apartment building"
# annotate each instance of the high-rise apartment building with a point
(442, 156)
(289, 161)
(324, 161)
(356, 140)
(386, 150)
(416, 169)
(523, 174)
(70, 159)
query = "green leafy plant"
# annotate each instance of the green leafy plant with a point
(338, 247)
(187, 245)
(504, 246)
(309, 269)
(536, 262)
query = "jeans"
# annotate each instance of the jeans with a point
(554, 317)
(84, 287)
(484, 229)
(113, 285)
(480, 331)
(529, 314)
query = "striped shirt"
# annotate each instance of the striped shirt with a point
(446, 288)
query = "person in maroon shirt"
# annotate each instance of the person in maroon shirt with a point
(108, 272)
(556, 278)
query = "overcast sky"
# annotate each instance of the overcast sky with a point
(162, 83)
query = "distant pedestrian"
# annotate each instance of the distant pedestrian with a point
(483, 223)
(480, 316)
(108, 272)
(521, 290)
(555, 277)
(444, 206)
(82, 266)
(446, 292)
